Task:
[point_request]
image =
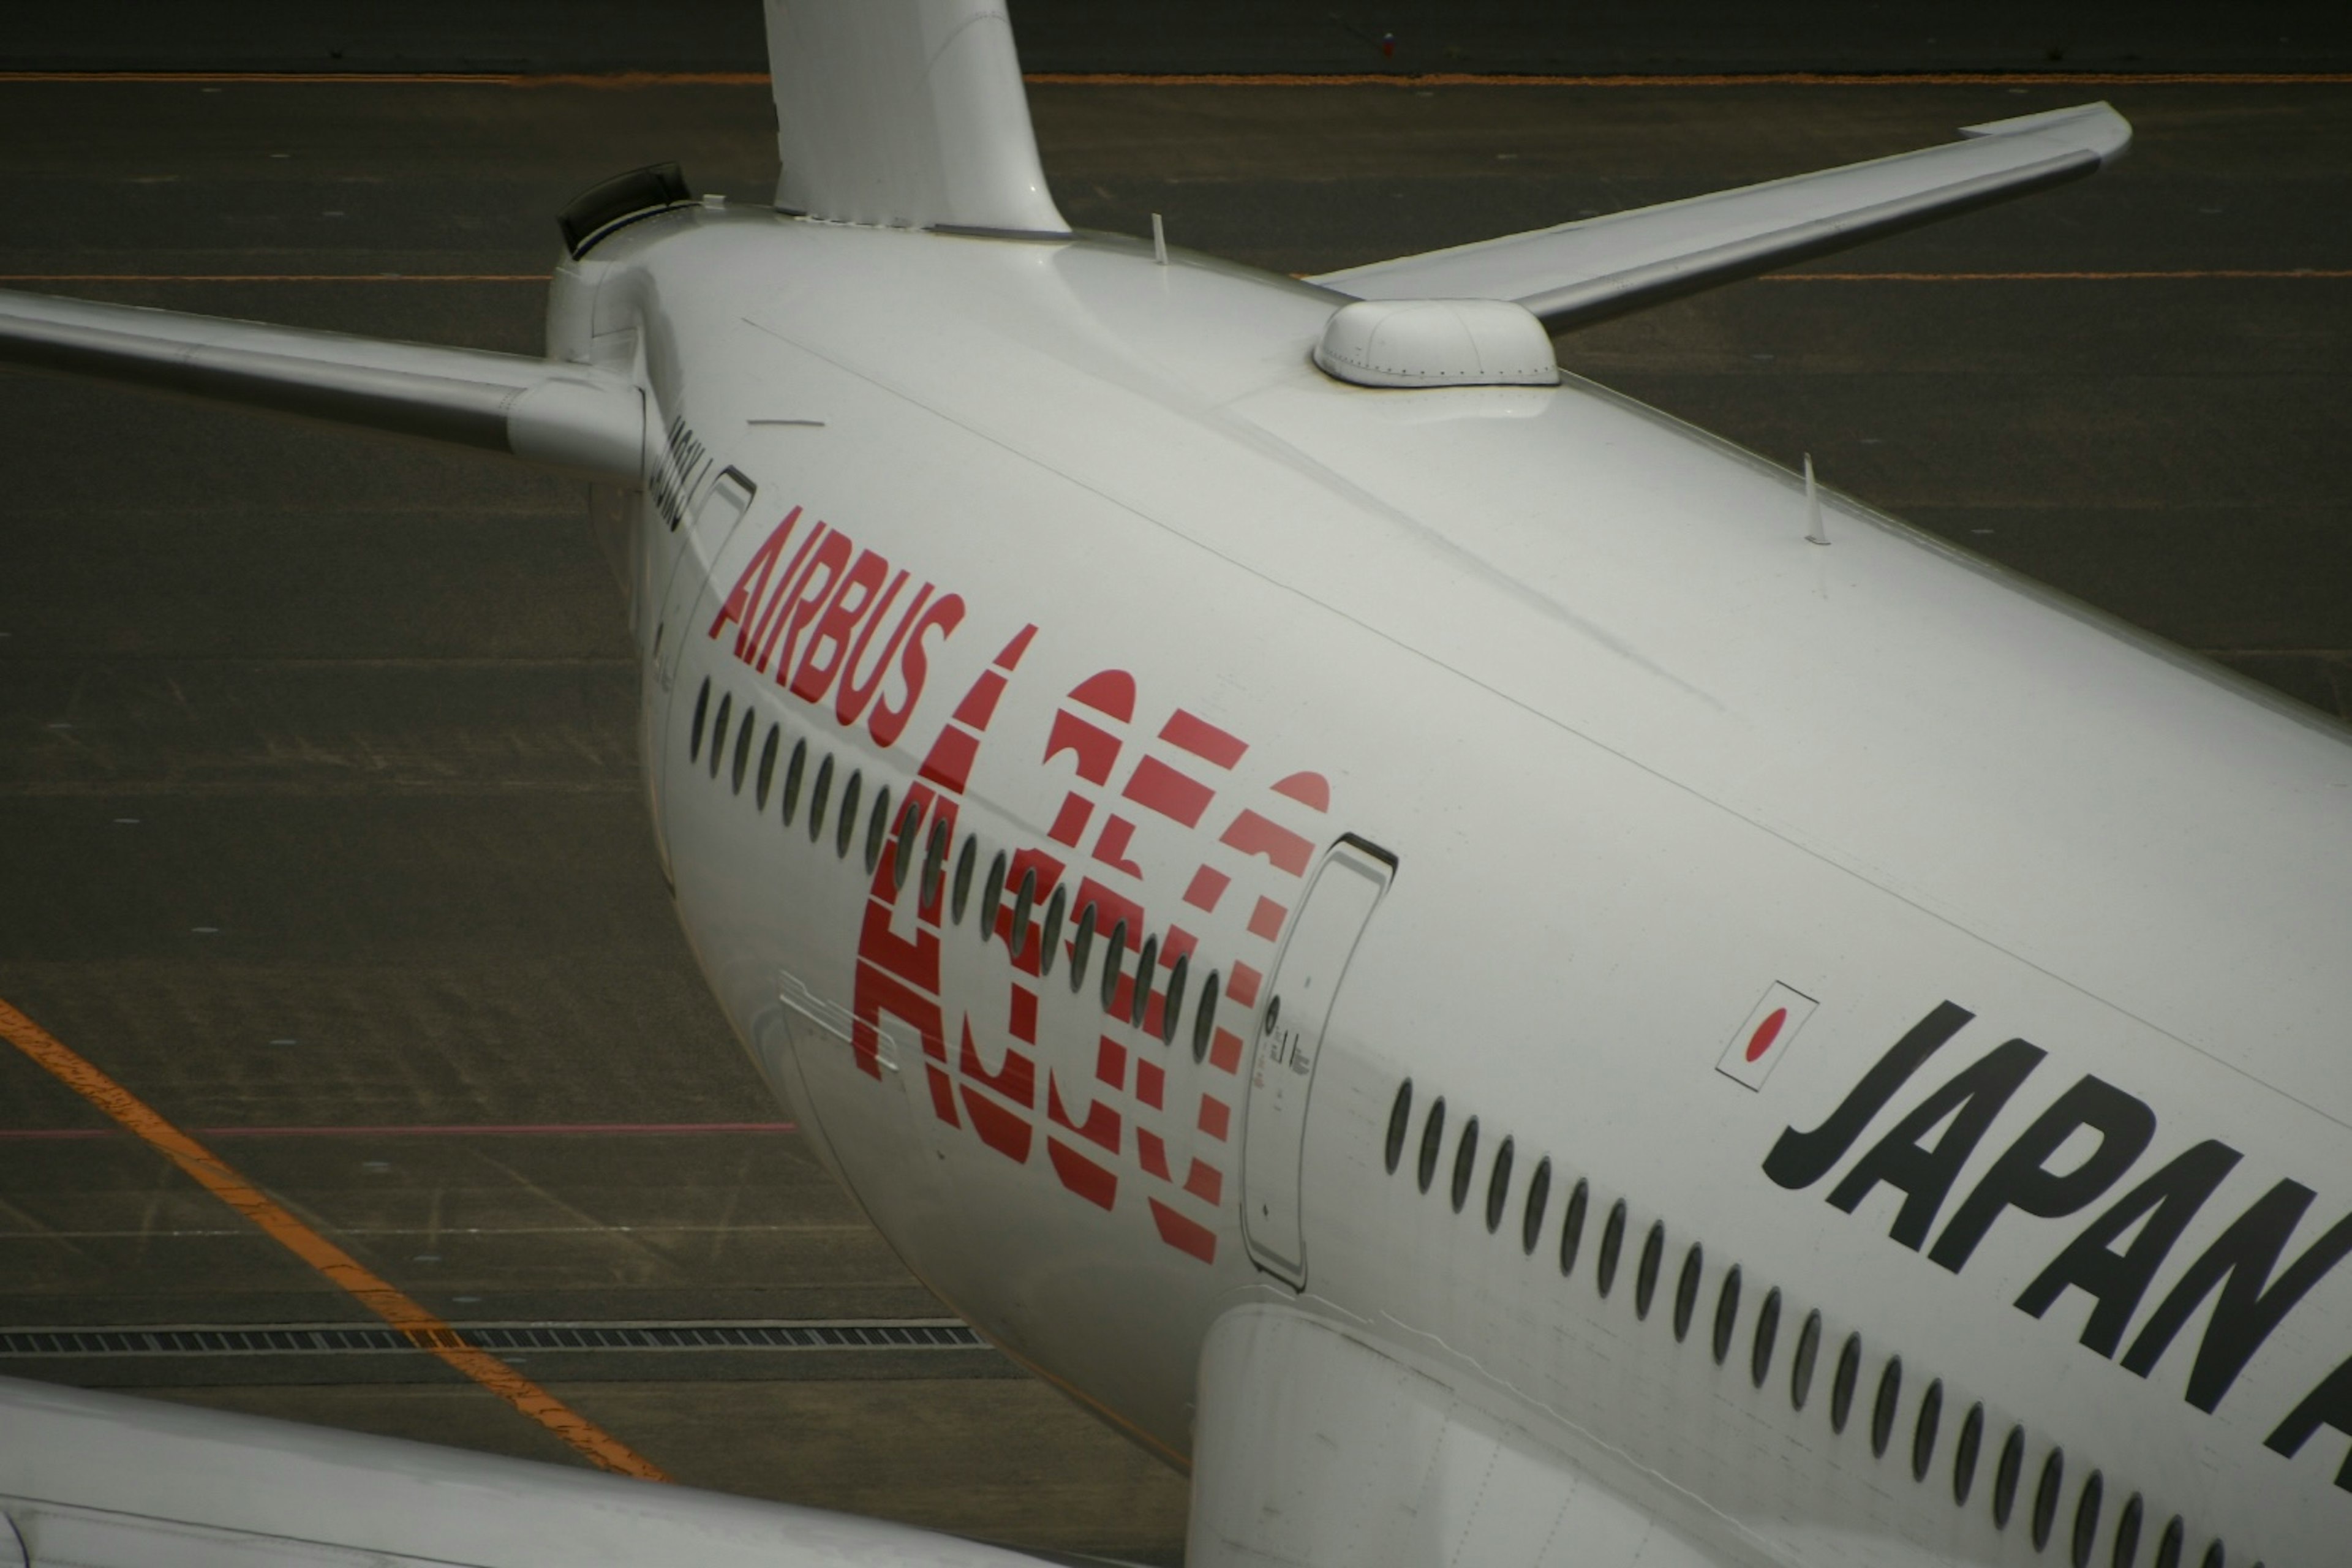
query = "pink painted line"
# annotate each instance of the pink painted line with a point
(526, 1129)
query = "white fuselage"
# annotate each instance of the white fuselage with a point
(1081, 556)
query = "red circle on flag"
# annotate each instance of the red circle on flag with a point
(1766, 1033)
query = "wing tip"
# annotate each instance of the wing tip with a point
(2096, 127)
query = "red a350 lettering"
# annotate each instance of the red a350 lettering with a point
(834, 621)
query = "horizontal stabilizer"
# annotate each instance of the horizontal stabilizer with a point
(1598, 268)
(563, 415)
(907, 114)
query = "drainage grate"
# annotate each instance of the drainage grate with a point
(330, 1339)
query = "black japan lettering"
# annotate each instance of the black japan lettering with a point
(1971, 1100)
(2116, 1281)
(1798, 1160)
(2240, 1262)
(2329, 1404)
(2019, 1179)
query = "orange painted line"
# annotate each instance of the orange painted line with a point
(273, 276)
(2214, 272)
(1260, 78)
(1727, 79)
(424, 1330)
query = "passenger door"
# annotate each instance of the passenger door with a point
(1314, 960)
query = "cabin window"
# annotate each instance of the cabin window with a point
(742, 750)
(935, 860)
(1433, 1132)
(1532, 1216)
(1204, 1023)
(1801, 1370)
(1498, 1186)
(2168, 1544)
(1686, 1290)
(2127, 1523)
(1882, 1409)
(1115, 962)
(1612, 1242)
(1172, 1012)
(2086, 1520)
(718, 729)
(2214, 1556)
(1466, 1156)
(1400, 1113)
(964, 862)
(1572, 1226)
(991, 896)
(1024, 900)
(792, 771)
(693, 731)
(1964, 1454)
(848, 828)
(878, 828)
(1645, 1273)
(2045, 1496)
(2005, 1475)
(1147, 964)
(767, 777)
(1842, 1381)
(1049, 946)
(1080, 946)
(1768, 1333)
(819, 793)
(1923, 1430)
(1726, 1313)
(909, 821)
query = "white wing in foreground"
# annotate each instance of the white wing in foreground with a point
(1592, 269)
(572, 416)
(99, 1480)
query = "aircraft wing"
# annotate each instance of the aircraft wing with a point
(570, 417)
(1577, 273)
(100, 1481)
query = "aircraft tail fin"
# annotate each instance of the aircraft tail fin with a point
(905, 114)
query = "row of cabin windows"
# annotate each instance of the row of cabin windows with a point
(730, 750)
(2009, 1469)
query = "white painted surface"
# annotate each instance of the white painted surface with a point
(908, 116)
(1437, 342)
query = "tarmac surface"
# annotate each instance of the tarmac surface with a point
(321, 828)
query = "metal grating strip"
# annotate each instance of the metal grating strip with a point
(579, 1339)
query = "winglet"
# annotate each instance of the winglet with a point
(905, 115)
(2097, 128)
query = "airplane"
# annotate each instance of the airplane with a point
(1496, 978)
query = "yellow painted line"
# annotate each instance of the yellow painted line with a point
(425, 1330)
(1261, 79)
(2210, 272)
(1726, 78)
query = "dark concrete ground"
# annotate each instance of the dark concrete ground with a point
(318, 805)
(1251, 36)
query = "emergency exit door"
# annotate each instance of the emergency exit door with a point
(1291, 1039)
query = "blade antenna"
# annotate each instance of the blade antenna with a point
(1815, 533)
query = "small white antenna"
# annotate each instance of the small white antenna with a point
(1814, 533)
(1159, 240)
